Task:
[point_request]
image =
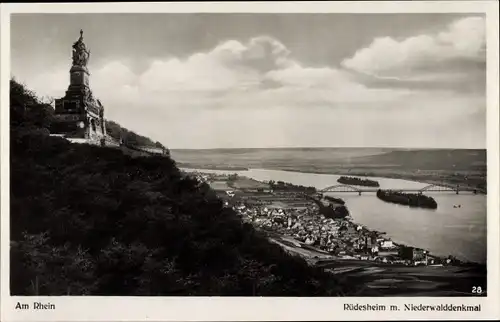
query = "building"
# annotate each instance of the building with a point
(406, 253)
(78, 115)
(370, 242)
(387, 244)
(412, 254)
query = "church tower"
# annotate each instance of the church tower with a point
(78, 115)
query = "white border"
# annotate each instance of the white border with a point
(250, 309)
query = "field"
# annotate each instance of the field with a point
(383, 280)
(247, 183)
(220, 185)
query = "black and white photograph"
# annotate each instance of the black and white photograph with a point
(248, 154)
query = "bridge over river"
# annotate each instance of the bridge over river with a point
(343, 188)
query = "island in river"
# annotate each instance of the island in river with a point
(408, 199)
(358, 181)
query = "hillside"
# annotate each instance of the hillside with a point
(129, 138)
(432, 159)
(88, 220)
(324, 158)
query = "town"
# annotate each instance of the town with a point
(291, 216)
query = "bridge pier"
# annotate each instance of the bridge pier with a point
(359, 193)
(457, 191)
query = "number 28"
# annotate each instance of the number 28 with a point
(477, 290)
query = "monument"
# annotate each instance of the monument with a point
(78, 115)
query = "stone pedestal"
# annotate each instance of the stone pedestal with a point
(79, 76)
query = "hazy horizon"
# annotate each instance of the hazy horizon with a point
(207, 81)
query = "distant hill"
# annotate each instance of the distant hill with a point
(271, 158)
(432, 159)
(450, 166)
(323, 159)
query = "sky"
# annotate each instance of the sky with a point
(271, 80)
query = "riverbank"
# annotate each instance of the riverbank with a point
(443, 231)
(290, 213)
(422, 177)
(383, 279)
(472, 179)
(211, 167)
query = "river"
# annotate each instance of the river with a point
(460, 232)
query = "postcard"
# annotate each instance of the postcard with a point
(250, 161)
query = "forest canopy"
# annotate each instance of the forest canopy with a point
(93, 221)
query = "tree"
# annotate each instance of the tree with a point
(26, 109)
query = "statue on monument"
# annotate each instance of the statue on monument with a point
(88, 96)
(80, 53)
